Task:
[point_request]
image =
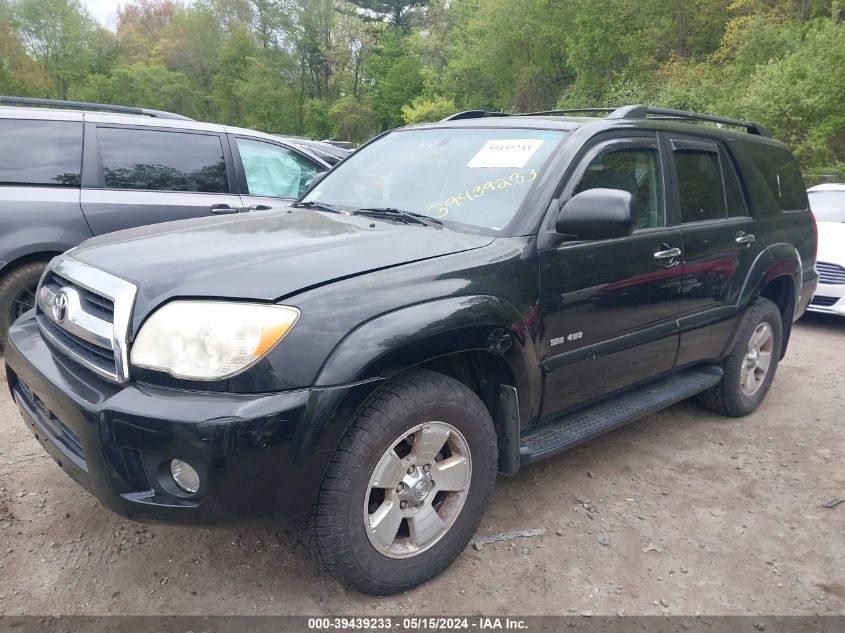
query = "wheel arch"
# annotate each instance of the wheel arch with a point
(780, 282)
(34, 256)
(481, 341)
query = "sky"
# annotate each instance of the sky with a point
(105, 11)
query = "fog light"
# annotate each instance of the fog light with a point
(185, 476)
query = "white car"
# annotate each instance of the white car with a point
(828, 205)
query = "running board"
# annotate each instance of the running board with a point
(597, 419)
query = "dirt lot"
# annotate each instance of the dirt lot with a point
(682, 512)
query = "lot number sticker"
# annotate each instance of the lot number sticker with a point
(508, 153)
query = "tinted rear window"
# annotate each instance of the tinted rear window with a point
(700, 185)
(162, 161)
(781, 174)
(40, 152)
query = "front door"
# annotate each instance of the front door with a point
(609, 307)
(719, 242)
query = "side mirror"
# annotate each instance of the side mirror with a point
(598, 214)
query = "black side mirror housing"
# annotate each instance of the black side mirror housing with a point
(598, 214)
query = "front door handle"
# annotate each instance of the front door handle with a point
(223, 209)
(745, 239)
(258, 207)
(667, 256)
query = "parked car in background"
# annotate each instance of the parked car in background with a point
(828, 205)
(331, 152)
(138, 167)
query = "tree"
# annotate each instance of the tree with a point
(422, 110)
(395, 12)
(60, 35)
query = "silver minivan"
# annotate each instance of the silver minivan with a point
(73, 170)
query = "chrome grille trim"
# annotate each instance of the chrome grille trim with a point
(833, 274)
(90, 326)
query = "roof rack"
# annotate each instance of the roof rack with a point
(474, 114)
(642, 112)
(628, 112)
(84, 105)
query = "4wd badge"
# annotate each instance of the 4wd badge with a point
(566, 339)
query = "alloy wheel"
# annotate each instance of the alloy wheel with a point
(758, 359)
(417, 490)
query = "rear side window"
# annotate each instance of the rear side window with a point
(700, 185)
(162, 161)
(781, 174)
(40, 152)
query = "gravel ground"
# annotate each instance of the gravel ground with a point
(684, 512)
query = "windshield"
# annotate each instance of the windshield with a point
(470, 179)
(828, 206)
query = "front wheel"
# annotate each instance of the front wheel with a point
(751, 365)
(408, 485)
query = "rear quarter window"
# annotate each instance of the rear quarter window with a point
(781, 175)
(45, 153)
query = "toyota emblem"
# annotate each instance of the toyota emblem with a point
(60, 306)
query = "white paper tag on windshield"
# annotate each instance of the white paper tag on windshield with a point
(511, 153)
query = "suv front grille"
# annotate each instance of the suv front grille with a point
(830, 273)
(87, 325)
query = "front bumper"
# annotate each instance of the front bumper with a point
(829, 298)
(261, 457)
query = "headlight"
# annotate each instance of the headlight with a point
(210, 340)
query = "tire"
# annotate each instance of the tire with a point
(735, 395)
(364, 558)
(14, 287)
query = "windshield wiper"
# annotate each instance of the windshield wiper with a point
(322, 206)
(393, 213)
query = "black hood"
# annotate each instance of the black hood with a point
(262, 256)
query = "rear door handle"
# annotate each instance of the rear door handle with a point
(745, 239)
(223, 209)
(258, 207)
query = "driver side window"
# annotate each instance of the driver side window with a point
(273, 171)
(632, 169)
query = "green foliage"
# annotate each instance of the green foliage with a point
(396, 75)
(801, 95)
(395, 12)
(60, 35)
(317, 121)
(422, 110)
(352, 68)
(354, 118)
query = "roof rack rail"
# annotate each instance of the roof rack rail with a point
(642, 112)
(473, 114)
(84, 105)
(627, 112)
(566, 111)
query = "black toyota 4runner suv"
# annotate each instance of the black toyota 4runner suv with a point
(454, 300)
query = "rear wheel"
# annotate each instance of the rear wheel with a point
(408, 485)
(17, 293)
(751, 365)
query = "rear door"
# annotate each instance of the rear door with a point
(135, 175)
(720, 244)
(608, 307)
(270, 175)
